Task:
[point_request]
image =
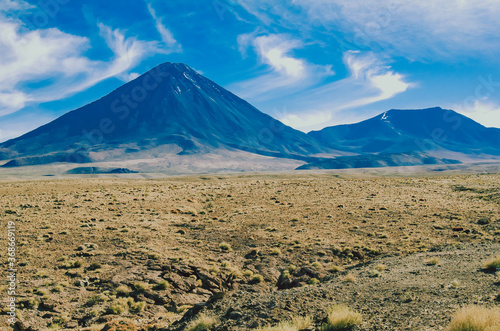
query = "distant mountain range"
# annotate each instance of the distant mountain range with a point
(421, 130)
(377, 161)
(174, 112)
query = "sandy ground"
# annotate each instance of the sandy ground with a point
(97, 252)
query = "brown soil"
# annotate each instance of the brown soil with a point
(118, 254)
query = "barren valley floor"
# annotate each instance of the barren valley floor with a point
(250, 250)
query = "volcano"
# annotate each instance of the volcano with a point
(432, 130)
(171, 105)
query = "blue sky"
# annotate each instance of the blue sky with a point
(309, 63)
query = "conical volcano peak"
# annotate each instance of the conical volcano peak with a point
(170, 105)
(173, 68)
(176, 75)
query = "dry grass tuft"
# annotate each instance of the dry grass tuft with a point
(276, 251)
(296, 323)
(256, 279)
(162, 285)
(335, 269)
(349, 278)
(493, 265)
(432, 261)
(202, 322)
(341, 318)
(476, 318)
(225, 246)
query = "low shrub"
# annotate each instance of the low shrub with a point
(341, 318)
(475, 318)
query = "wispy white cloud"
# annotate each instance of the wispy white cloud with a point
(259, 10)
(368, 72)
(307, 121)
(423, 29)
(283, 71)
(484, 112)
(370, 34)
(273, 50)
(32, 56)
(369, 81)
(166, 34)
(58, 60)
(14, 5)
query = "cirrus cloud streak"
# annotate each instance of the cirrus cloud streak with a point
(48, 64)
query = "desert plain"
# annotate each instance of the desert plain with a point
(250, 251)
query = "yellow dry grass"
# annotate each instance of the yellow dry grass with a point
(202, 322)
(296, 323)
(341, 318)
(476, 318)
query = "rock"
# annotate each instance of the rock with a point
(254, 253)
(161, 299)
(284, 281)
(153, 327)
(202, 291)
(185, 284)
(309, 271)
(358, 255)
(484, 221)
(85, 254)
(122, 325)
(71, 325)
(152, 277)
(105, 319)
(235, 315)
(216, 297)
(183, 270)
(49, 305)
(457, 229)
(190, 314)
(155, 266)
(188, 299)
(72, 274)
(141, 297)
(209, 281)
(22, 326)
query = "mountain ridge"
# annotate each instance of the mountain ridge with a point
(172, 110)
(378, 161)
(170, 104)
(406, 130)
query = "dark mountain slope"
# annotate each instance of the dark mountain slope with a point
(377, 161)
(426, 130)
(171, 104)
